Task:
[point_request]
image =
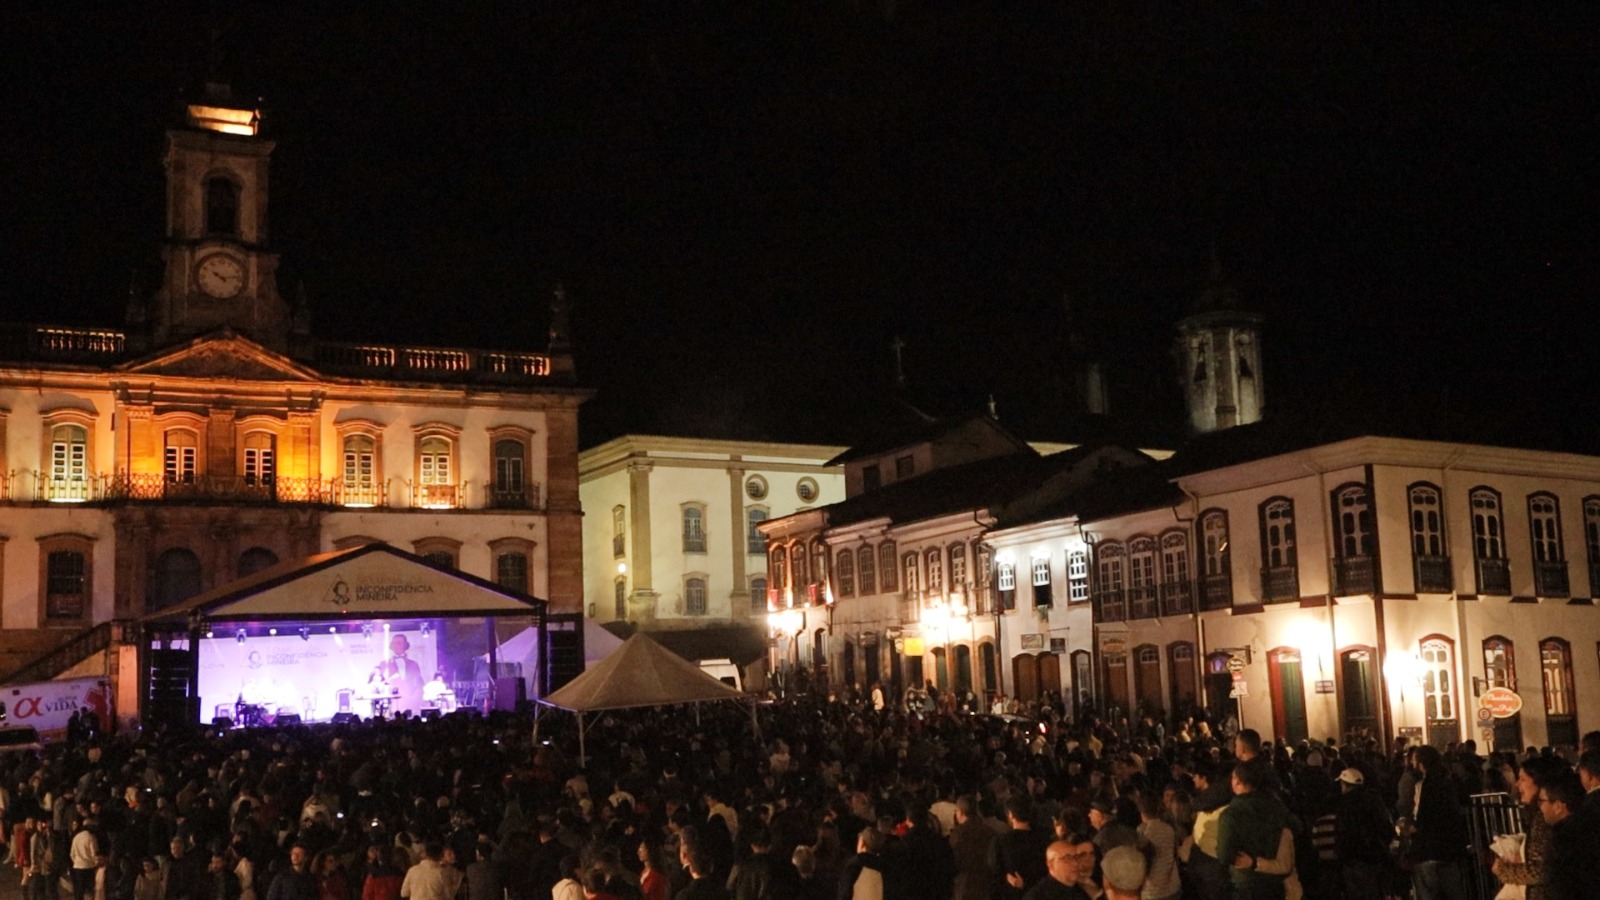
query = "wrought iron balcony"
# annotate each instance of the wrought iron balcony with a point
(1177, 598)
(1550, 578)
(1494, 577)
(1279, 583)
(69, 490)
(436, 496)
(1142, 602)
(1433, 575)
(1216, 591)
(360, 493)
(1353, 575)
(523, 496)
(1110, 606)
(231, 488)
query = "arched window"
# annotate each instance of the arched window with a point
(436, 472)
(1488, 542)
(933, 560)
(694, 596)
(845, 570)
(1591, 540)
(867, 560)
(360, 470)
(260, 460)
(1549, 556)
(908, 573)
(754, 542)
(1354, 541)
(69, 453)
(255, 559)
(819, 569)
(1280, 579)
(510, 490)
(181, 456)
(1142, 578)
(1430, 552)
(222, 205)
(958, 568)
(1439, 688)
(1216, 567)
(1555, 664)
(694, 529)
(511, 571)
(888, 567)
(777, 568)
(177, 578)
(1175, 590)
(758, 593)
(1110, 565)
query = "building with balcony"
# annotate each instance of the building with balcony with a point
(212, 435)
(673, 541)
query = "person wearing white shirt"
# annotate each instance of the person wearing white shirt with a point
(85, 855)
(431, 879)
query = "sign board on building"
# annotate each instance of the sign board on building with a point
(1240, 689)
(1235, 664)
(913, 646)
(47, 705)
(1412, 733)
(1033, 642)
(1325, 687)
(1058, 645)
(1502, 703)
(1113, 646)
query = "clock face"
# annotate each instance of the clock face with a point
(220, 276)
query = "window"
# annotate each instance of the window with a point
(260, 459)
(887, 566)
(1006, 584)
(1040, 566)
(777, 567)
(256, 559)
(755, 487)
(1216, 572)
(797, 568)
(754, 542)
(619, 531)
(933, 561)
(1438, 678)
(866, 559)
(441, 551)
(871, 477)
(758, 594)
(222, 205)
(1110, 565)
(436, 472)
(1142, 578)
(1555, 665)
(904, 467)
(908, 573)
(806, 490)
(360, 471)
(1591, 540)
(1430, 555)
(694, 529)
(510, 489)
(1488, 542)
(180, 456)
(845, 569)
(619, 590)
(1175, 591)
(1499, 663)
(1280, 579)
(511, 557)
(1549, 557)
(69, 463)
(177, 578)
(694, 596)
(958, 568)
(1077, 576)
(819, 568)
(67, 573)
(1353, 542)
(985, 573)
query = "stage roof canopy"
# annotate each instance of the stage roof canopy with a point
(373, 581)
(640, 673)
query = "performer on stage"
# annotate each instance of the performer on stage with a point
(402, 671)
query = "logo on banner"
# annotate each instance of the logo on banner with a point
(341, 593)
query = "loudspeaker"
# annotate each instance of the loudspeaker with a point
(509, 692)
(287, 719)
(346, 719)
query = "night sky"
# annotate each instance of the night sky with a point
(748, 201)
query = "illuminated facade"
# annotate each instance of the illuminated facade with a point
(671, 532)
(213, 436)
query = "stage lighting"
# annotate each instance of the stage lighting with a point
(332, 629)
(272, 631)
(305, 633)
(425, 629)
(210, 634)
(240, 636)
(366, 632)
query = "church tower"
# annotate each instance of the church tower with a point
(219, 271)
(1219, 358)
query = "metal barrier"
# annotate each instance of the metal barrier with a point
(1489, 816)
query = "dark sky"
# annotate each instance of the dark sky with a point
(748, 200)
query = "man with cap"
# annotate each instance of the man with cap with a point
(1362, 828)
(1122, 873)
(1109, 831)
(1068, 863)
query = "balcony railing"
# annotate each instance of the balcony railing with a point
(1142, 602)
(910, 606)
(1353, 575)
(1216, 591)
(1494, 576)
(437, 496)
(1433, 574)
(429, 363)
(69, 490)
(233, 488)
(982, 601)
(1280, 583)
(525, 496)
(360, 493)
(1177, 598)
(61, 343)
(1550, 578)
(1110, 606)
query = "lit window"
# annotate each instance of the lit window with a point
(69, 453)
(260, 462)
(908, 575)
(1352, 522)
(1042, 597)
(1488, 535)
(1077, 576)
(181, 457)
(958, 567)
(934, 560)
(1544, 525)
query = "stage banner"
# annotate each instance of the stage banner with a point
(46, 705)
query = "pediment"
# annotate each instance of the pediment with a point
(225, 355)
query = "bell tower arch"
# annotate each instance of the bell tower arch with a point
(1219, 358)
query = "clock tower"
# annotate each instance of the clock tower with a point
(219, 270)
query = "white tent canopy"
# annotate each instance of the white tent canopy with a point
(639, 673)
(523, 647)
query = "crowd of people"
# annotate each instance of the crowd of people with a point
(836, 799)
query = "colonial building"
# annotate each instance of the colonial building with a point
(672, 535)
(214, 436)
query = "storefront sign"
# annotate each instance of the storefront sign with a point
(47, 705)
(1502, 703)
(1033, 642)
(1325, 687)
(1058, 645)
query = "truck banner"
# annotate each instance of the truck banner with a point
(46, 705)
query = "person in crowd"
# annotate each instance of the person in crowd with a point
(1362, 830)
(1160, 842)
(702, 884)
(296, 881)
(1535, 774)
(866, 876)
(1439, 845)
(1017, 856)
(1068, 862)
(1250, 828)
(1572, 870)
(1589, 778)
(1123, 873)
(569, 887)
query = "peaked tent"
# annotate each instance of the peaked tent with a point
(640, 673)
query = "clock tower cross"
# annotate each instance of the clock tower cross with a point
(219, 269)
